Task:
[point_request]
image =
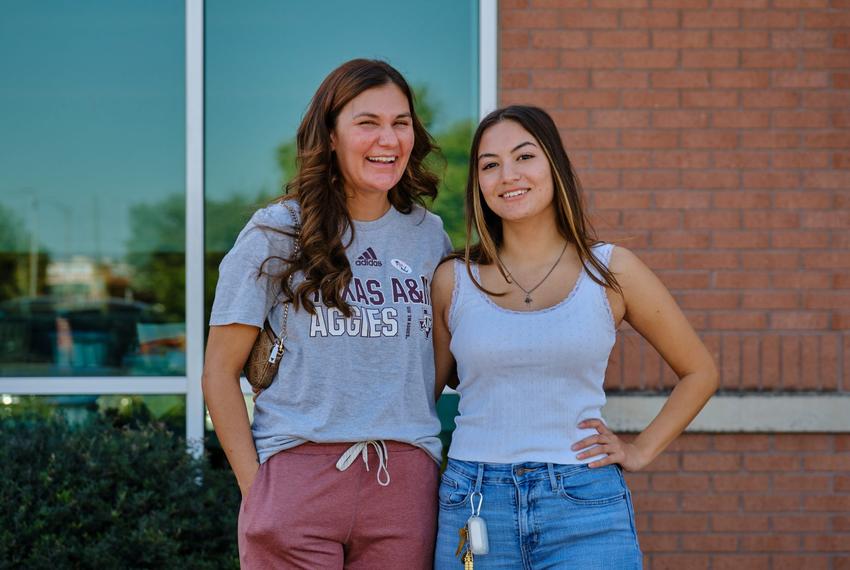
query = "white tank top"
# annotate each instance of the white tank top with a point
(527, 378)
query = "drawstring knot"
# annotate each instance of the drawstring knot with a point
(361, 448)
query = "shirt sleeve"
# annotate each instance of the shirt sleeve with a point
(447, 244)
(247, 281)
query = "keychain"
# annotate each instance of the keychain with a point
(474, 534)
(467, 555)
(476, 528)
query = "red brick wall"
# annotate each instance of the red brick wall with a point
(756, 501)
(713, 138)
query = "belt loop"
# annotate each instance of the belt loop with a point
(479, 478)
(552, 479)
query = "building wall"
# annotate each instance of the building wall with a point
(712, 138)
(746, 501)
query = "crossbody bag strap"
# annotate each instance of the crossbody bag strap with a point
(295, 247)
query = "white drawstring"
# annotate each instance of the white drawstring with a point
(362, 448)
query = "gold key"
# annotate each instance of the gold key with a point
(467, 560)
(463, 536)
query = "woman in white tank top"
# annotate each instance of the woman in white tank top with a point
(524, 323)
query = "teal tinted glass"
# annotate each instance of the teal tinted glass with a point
(168, 410)
(92, 172)
(264, 61)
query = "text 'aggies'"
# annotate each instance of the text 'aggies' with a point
(370, 317)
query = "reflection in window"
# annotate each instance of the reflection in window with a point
(120, 410)
(92, 189)
(258, 85)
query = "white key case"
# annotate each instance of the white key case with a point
(479, 543)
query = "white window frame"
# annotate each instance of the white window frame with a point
(195, 412)
(724, 413)
(488, 57)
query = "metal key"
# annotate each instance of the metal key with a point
(464, 534)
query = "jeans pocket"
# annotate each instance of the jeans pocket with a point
(592, 487)
(454, 490)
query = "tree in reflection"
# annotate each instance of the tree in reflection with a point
(15, 258)
(454, 143)
(26, 313)
(156, 251)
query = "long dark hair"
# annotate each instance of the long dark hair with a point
(318, 185)
(571, 221)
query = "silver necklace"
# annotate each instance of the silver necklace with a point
(528, 300)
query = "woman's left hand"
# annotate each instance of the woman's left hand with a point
(606, 442)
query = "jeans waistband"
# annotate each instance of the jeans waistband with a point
(512, 472)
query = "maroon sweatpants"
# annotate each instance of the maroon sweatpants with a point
(302, 512)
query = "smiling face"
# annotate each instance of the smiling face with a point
(372, 139)
(513, 173)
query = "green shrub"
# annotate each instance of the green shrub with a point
(101, 496)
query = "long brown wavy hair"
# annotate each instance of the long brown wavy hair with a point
(318, 186)
(572, 223)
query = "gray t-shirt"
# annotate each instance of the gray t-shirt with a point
(368, 377)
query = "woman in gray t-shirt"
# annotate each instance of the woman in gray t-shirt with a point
(356, 383)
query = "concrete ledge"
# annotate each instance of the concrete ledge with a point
(728, 413)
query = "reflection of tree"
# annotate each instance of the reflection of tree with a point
(15, 260)
(13, 236)
(454, 143)
(224, 220)
(286, 153)
(157, 247)
(426, 108)
(156, 251)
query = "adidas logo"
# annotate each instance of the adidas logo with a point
(369, 258)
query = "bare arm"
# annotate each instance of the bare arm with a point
(441, 296)
(648, 307)
(228, 347)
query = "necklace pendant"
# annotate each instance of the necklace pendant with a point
(528, 299)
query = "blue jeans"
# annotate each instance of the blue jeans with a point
(540, 515)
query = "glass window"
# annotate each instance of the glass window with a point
(119, 409)
(265, 59)
(92, 177)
